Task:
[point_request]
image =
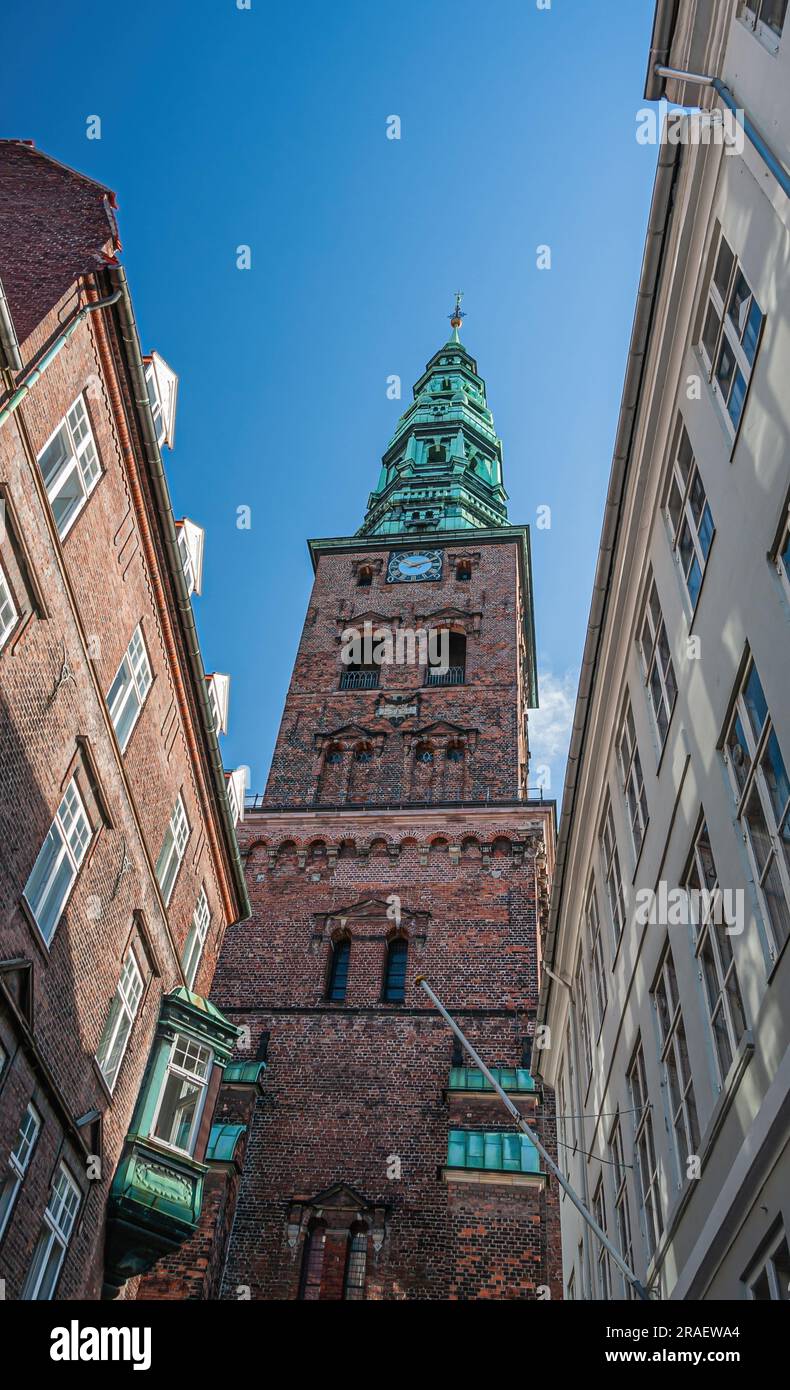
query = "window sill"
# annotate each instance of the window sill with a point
(764, 35)
(492, 1177)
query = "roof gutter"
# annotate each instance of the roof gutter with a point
(130, 342)
(652, 261)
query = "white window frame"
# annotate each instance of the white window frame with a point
(583, 1014)
(155, 402)
(190, 1076)
(749, 15)
(657, 664)
(778, 1291)
(612, 872)
(73, 829)
(121, 1015)
(645, 1155)
(632, 779)
(9, 614)
(135, 669)
(592, 919)
(685, 484)
(56, 1231)
(18, 1163)
(81, 461)
(604, 1275)
(186, 561)
(679, 1097)
(196, 938)
(745, 744)
(621, 1208)
(729, 335)
(782, 560)
(171, 855)
(714, 954)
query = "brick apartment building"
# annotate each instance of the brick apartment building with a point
(119, 868)
(363, 1159)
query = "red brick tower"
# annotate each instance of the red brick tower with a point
(396, 837)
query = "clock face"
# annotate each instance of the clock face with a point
(406, 565)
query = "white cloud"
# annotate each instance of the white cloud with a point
(550, 730)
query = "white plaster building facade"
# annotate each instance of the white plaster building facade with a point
(669, 1031)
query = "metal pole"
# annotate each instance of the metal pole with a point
(525, 1129)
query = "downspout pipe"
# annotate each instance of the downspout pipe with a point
(750, 130)
(49, 356)
(9, 343)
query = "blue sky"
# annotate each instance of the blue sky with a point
(267, 127)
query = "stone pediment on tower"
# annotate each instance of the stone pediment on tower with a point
(451, 617)
(347, 735)
(372, 910)
(441, 732)
(369, 616)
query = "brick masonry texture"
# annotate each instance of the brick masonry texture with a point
(86, 594)
(355, 1093)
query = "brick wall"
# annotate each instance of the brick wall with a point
(87, 593)
(352, 1126)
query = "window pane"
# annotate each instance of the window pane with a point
(772, 764)
(49, 883)
(710, 332)
(735, 404)
(740, 303)
(755, 701)
(395, 986)
(338, 980)
(723, 271)
(737, 748)
(178, 1110)
(56, 454)
(725, 367)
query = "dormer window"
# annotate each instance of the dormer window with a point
(219, 697)
(191, 540)
(162, 385)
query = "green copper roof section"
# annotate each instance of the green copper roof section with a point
(243, 1073)
(495, 1152)
(222, 1142)
(442, 469)
(509, 1078)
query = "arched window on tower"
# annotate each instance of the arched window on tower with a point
(313, 1263)
(455, 671)
(395, 973)
(354, 1283)
(338, 970)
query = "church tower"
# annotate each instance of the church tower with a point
(397, 837)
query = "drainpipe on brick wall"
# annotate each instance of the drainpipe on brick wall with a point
(49, 356)
(9, 343)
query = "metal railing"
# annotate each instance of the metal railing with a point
(359, 680)
(452, 675)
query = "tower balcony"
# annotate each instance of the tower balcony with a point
(365, 679)
(451, 675)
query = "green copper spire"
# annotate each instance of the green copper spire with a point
(442, 470)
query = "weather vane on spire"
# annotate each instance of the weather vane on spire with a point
(458, 313)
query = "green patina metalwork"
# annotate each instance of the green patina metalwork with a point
(222, 1142)
(442, 470)
(247, 1073)
(509, 1078)
(156, 1193)
(492, 1152)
